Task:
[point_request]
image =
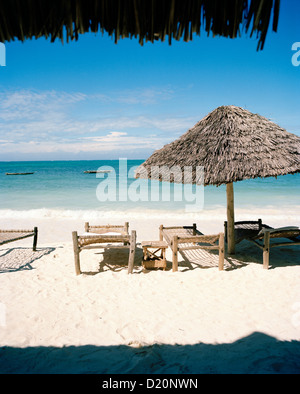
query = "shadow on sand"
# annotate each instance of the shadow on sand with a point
(255, 354)
(246, 254)
(19, 259)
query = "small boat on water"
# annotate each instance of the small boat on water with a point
(97, 171)
(19, 173)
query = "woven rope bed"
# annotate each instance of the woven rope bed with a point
(106, 237)
(260, 234)
(7, 236)
(187, 240)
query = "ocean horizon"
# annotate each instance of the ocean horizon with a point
(63, 185)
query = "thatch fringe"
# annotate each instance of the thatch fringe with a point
(231, 144)
(147, 20)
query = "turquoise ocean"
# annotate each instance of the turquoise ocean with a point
(64, 185)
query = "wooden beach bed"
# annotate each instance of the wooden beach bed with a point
(260, 234)
(107, 236)
(7, 236)
(185, 238)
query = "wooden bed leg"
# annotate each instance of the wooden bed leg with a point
(131, 251)
(225, 231)
(161, 237)
(194, 228)
(76, 252)
(175, 253)
(35, 230)
(266, 250)
(221, 251)
(194, 231)
(126, 227)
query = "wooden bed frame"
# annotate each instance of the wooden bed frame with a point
(260, 234)
(100, 238)
(7, 236)
(189, 235)
(287, 233)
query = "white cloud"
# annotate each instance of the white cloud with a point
(51, 121)
(112, 136)
(30, 104)
(89, 144)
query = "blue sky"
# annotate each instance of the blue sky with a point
(93, 99)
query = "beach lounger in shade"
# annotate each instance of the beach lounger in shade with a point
(260, 234)
(7, 236)
(106, 236)
(246, 229)
(185, 238)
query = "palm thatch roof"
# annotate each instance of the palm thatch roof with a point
(148, 20)
(231, 144)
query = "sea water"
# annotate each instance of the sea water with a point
(64, 185)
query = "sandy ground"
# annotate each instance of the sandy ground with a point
(198, 320)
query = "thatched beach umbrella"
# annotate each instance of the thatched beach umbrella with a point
(231, 144)
(148, 20)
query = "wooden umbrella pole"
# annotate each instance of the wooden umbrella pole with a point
(230, 218)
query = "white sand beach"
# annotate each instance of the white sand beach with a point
(198, 320)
